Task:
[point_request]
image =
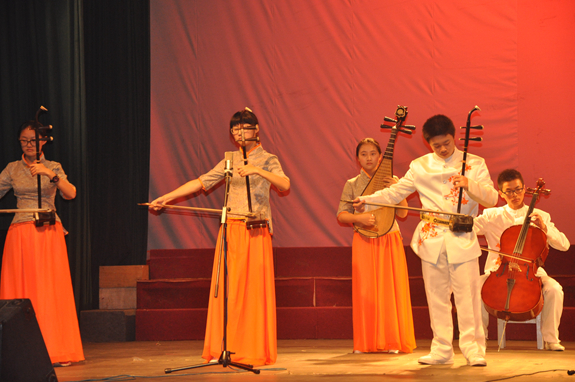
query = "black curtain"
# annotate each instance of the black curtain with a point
(88, 63)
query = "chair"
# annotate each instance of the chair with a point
(536, 321)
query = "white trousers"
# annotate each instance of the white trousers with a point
(551, 313)
(441, 280)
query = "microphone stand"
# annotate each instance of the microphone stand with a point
(225, 357)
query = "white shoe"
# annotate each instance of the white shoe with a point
(393, 351)
(357, 352)
(554, 347)
(432, 359)
(477, 360)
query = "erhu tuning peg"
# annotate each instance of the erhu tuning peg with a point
(477, 139)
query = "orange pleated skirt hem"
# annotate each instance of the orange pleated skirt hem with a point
(35, 266)
(251, 319)
(382, 315)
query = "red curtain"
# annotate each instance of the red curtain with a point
(321, 75)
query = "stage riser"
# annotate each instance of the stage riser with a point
(313, 294)
(308, 262)
(308, 292)
(292, 323)
(310, 323)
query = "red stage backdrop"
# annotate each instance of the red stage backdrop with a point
(321, 75)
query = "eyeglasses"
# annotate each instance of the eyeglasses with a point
(25, 142)
(517, 191)
(237, 130)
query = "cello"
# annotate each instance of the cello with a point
(513, 292)
(384, 216)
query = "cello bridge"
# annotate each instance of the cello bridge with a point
(514, 267)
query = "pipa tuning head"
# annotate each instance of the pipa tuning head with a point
(401, 111)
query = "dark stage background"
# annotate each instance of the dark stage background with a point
(88, 63)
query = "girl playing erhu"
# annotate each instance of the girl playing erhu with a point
(251, 333)
(35, 262)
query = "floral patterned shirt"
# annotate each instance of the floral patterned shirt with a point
(432, 176)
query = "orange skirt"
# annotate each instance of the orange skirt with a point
(382, 317)
(251, 328)
(35, 266)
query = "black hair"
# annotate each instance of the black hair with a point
(507, 176)
(32, 125)
(244, 116)
(364, 141)
(438, 125)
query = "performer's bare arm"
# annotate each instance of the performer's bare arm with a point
(184, 190)
(282, 183)
(68, 190)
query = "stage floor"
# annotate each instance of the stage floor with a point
(305, 360)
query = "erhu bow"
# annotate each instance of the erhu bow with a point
(385, 217)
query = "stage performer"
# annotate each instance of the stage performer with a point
(449, 260)
(35, 261)
(494, 221)
(251, 333)
(382, 317)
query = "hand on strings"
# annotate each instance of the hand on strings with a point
(359, 205)
(538, 221)
(494, 268)
(247, 170)
(365, 220)
(460, 181)
(38, 168)
(388, 181)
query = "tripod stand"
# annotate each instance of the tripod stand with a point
(225, 357)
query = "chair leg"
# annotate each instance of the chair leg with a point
(539, 334)
(500, 333)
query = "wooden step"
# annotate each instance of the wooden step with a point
(118, 285)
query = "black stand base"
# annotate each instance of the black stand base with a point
(225, 360)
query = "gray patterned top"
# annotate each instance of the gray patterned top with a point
(17, 176)
(259, 187)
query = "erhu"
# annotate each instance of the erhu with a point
(251, 223)
(464, 223)
(48, 217)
